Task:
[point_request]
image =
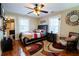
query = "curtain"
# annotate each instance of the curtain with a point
(54, 24)
(24, 25)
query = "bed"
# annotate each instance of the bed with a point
(32, 37)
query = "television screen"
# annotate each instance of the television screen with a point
(45, 27)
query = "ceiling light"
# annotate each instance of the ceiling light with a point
(36, 12)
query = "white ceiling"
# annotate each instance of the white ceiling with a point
(50, 7)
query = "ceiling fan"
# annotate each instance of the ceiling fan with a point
(37, 9)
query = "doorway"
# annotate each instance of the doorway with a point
(10, 28)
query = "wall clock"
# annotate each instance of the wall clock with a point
(72, 18)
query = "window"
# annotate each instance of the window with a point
(54, 24)
(23, 25)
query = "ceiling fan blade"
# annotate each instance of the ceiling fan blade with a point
(29, 12)
(28, 7)
(44, 11)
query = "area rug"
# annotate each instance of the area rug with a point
(33, 48)
(44, 48)
(58, 45)
(50, 53)
(48, 50)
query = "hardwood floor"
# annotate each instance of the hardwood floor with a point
(14, 52)
(19, 50)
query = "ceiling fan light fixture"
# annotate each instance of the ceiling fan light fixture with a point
(36, 12)
(37, 9)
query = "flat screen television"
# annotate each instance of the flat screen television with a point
(45, 27)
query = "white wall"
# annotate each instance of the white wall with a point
(64, 28)
(32, 25)
(34, 22)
